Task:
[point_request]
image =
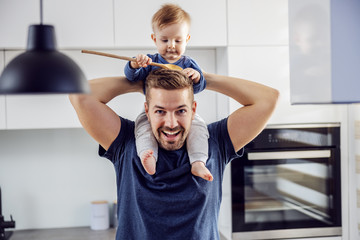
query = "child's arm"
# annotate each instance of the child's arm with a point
(193, 70)
(192, 74)
(141, 61)
(133, 70)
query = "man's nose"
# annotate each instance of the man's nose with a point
(170, 121)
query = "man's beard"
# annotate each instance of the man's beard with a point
(171, 145)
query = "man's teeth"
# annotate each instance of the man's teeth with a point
(171, 133)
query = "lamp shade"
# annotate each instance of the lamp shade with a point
(42, 69)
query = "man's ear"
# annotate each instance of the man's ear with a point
(146, 109)
(193, 108)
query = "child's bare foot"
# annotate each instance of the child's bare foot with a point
(198, 169)
(148, 161)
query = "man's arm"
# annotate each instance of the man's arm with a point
(100, 121)
(258, 102)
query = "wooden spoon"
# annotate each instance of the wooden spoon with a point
(165, 66)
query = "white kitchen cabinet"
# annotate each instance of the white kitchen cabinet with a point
(257, 22)
(15, 18)
(81, 23)
(2, 97)
(133, 22)
(55, 111)
(38, 111)
(324, 45)
(270, 66)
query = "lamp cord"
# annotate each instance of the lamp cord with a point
(41, 12)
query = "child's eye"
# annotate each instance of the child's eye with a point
(164, 40)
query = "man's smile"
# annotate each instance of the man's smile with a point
(170, 135)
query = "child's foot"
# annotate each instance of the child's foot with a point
(148, 161)
(198, 169)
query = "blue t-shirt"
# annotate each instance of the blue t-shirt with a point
(173, 203)
(140, 74)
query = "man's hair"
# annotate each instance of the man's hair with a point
(168, 80)
(169, 14)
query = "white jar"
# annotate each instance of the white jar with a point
(99, 215)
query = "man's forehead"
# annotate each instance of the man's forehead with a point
(163, 98)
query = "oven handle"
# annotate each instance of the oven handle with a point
(289, 154)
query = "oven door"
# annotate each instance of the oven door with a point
(283, 190)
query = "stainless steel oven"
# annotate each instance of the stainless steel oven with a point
(287, 183)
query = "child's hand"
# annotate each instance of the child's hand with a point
(192, 74)
(141, 61)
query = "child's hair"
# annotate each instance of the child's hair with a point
(169, 14)
(169, 80)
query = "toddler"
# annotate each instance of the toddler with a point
(170, 26)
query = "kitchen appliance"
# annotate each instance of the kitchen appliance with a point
(5, 224)
(287, 184)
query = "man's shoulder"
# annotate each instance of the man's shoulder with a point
(124, 138)
(217, 126)
(127, 126)
(126, 132)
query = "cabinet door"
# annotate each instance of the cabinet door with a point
(258, 22)
(133, 22)
(15, 18)
(2, 97)
(324, 51)
(270, 66)
(81, 23)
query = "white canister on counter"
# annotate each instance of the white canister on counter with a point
(99, 215)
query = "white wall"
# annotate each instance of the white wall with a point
(48, 177)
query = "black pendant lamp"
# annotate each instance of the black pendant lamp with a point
(42, 69)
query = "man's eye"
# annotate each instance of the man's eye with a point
(159, 112)
(181, 111)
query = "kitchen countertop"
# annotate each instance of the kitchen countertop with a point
(76, 233)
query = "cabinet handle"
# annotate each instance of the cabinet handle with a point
(289, 155)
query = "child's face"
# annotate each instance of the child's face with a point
(171, 41)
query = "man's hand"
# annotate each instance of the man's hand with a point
(141, 61)
(192, 74)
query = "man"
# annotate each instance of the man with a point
(173, 203)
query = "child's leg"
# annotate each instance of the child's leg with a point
(146, 145)
(197, 147)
